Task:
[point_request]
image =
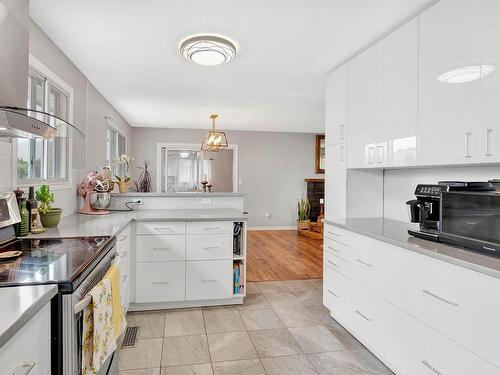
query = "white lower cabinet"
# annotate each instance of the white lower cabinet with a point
(28, 351)
(160, 282)
(418, 314)
(123, 252)
(209, 279)
(209, 246)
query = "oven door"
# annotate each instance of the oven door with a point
(471, 220)
(72, 312)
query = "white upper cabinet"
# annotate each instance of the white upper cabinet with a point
(397, 101)
(362, 110)
(449, 108)
(489, 133)
(336, 107)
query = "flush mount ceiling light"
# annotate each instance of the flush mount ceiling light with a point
(466, 73)
(208, 50)
(215, 139)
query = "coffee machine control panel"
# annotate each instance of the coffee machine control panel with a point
(430, 190)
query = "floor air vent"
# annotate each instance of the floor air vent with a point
(130, 337)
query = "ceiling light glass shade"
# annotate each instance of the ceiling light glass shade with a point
(208, 50)
(466, 73)
(215, 139)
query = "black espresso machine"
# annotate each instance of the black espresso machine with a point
(425, 210)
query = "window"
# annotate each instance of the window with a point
(44, 160)
(116, 145)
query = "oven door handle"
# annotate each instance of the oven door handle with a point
(82, 304)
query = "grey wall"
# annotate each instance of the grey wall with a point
(272, 167)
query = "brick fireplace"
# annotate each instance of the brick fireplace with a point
(315, 192)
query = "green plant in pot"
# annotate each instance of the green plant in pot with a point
(303, 214)
(49, 216)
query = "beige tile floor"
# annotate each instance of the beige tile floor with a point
(282, 328)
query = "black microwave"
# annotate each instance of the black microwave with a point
(471, 220)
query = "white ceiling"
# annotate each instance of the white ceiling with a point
(129, 50)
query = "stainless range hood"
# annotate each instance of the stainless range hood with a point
(15, 120)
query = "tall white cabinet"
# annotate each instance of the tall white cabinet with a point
(336, 136)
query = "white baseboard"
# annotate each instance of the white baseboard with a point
(273, 228)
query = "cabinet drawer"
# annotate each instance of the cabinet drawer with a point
(338, 264)
(30, 346)
(210, 227)
(339, 248)
(161, 227)
(459, 303)
(336, 294)
(209, 246)
(209, 279)
(369, 268)
(160, 248)
(416, 349)
(160, 282)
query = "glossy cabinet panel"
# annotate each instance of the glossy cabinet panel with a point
(449, 109)
(397, 101)
(362, 110)
(335, 181)
(336, 107)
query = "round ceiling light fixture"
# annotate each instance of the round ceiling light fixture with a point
(208, 50)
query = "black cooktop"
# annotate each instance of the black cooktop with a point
(62, 261)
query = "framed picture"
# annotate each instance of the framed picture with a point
(320, 153)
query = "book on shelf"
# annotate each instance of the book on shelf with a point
(237, 238)
(238, 277)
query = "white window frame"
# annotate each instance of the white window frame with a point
(110, 125)
(56, 184)
(165, 147)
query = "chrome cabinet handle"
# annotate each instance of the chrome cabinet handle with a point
(210, 247)
(333, 264)
(487, 151)
(343, 244)
(333, 233)
(371, 156)
(23, 369)
(363, 315)
(163, 229)
(333, 294)
(428, 292)
(334, 249)
(209, 280)
(211, 228)
(342, 153)
(364, 263)
(123, 237)
(161, 248)
(431, 367)
(160, 282)
(342, 131)
(467, 144)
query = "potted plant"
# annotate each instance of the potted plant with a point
(123, 181)
(303, 213)
(145, 181)
(49, 216)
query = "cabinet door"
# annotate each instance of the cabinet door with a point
(209, 279)
(335, 182)
(448, 106)
(489, 135)
(336, 107)
(362, 133)
(397, 97)
(160, 282)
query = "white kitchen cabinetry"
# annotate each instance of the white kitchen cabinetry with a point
(123, 245)
(449, 112)
(336, 107)
(418, 314)
(28, 351)
(335, 181)
(397, 101)
(185, 264)
(362, 110)
(489, 132)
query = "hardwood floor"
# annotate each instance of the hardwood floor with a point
(283, 255)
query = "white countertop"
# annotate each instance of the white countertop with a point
(179, 194)
(19, 304)
(396, 233)
(78, 225)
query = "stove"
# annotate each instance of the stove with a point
(62, 261)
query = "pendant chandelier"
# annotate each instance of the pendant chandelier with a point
(215, 139)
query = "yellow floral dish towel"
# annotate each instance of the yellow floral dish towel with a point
(119, 322)
(99, 340)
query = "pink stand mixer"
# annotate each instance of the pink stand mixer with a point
(92, 185)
